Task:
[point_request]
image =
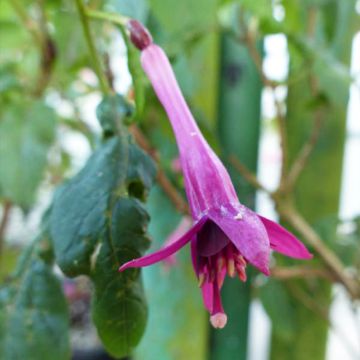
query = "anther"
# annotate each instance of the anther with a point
(202, 278)
(231, 267)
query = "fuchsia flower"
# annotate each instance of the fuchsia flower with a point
(226, 235)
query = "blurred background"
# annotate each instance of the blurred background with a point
(275, 88)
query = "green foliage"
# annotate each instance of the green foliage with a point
(97, 223)
(98, 219)
(137, 74)
(33, 309)
(27, 131)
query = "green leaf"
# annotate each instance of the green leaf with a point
(119, 309)
(112, 112)
(79, 213)
(34, 317)
(27, 131)
(98, 223)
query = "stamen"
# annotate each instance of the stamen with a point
(240, 259)
(202, 279)
(241, 272)
(212, 275)
(220, 279)
(231, 267)
(220, 264)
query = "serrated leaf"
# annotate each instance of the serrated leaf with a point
(97, 223)
(140, 174)
(112, 112)
(78, 216)
(27, 131)
(34, 317)
(119, 309)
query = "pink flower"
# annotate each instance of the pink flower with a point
(226, 235)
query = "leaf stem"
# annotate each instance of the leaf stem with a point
(105, 88)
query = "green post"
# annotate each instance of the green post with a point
(318, 189)
(238, 127)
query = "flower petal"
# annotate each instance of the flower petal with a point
(166, 250)
(246, 232)
(284, 242)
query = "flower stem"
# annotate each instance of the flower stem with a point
(105, 88)
(114, 18)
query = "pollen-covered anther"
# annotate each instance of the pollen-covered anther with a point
(202, 279)
(241, 272)
(218, 320)
(220, 263)
(231, 267)
(240, 259)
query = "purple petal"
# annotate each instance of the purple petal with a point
(246, 232)
(166, 250)
(211, 240)
(183, 226)
(284, 242)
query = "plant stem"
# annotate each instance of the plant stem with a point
(169, 189)
(114, 18)
(27, 21)
(105, 88)
(290, 214)
(3, 224)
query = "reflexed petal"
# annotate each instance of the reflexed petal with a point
(246, 232)
(165, 251)
(284, 242)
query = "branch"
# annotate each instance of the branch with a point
(4, 222)
(169, 189)
(93, 53)
(303, 272)
(248, 175)
(304, 154)
(27, 21)
(290, 214)
(108, 16)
